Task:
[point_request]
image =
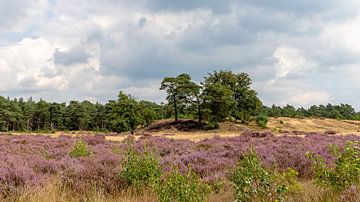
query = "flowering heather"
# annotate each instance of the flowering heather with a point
(29, 160)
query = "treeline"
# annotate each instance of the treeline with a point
(342, 111)
(221, 95)
(119, 115)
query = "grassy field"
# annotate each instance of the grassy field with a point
(314, 125)
(278, 126)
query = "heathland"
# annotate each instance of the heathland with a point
(212, 141)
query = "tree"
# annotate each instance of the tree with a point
(41, 116)
(99, 117)
(124, 114)
(218, 100)
(229, 94)
(178, 90)
(73, 114)
(57, 116)
(149, 112)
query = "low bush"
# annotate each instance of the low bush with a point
(346, 171)
(79, 149)
(140, 169)
(261, 120)
(211, 126)
(181, 187)
(253, 182)
(250, 178)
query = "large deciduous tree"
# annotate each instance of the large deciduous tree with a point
(229, 94)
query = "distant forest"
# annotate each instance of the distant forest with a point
(222, 95)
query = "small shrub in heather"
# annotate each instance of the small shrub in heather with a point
(79, 149)
(284, 183)
(346, 171)
(262, 120)
(251, 180)
(140, 169)
(211, 126)
(181, 187)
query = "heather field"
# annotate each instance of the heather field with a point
(34, 168)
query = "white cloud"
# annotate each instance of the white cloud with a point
(297, 53)
(19, 15)
(308, 98)
(343, 35)
(290, 61)
(21, 64)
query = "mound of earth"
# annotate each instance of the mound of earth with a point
(180, 125)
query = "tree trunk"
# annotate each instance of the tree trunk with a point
(199, 111)
(175, 108)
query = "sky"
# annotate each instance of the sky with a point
(301, 52)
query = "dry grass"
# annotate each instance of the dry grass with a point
(53, 191)
(230, 129)
(314, 125)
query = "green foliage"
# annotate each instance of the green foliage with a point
(222, 95)
(346, 171)
(180, 91)
(182, 188)
(253, 182)
(140, 169)
(149, 112)
(125, 114)
(229, 94)
(211, 126)
(342, 111)
(219, 100)
(284, 183)
(250, 178)
(262, 120)
(80, 149)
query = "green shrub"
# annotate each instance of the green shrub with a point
(251, 180)
(262, 120)
(79, 149)
(211, 126)
(284, 183)
(140, 169)
(182, 188)
(346, 172)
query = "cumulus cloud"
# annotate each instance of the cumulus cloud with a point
(301, 53)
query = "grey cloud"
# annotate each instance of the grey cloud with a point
(76, 55)
(14, 14)
(28, 82)
(306, 7)
(48, 72)
(216, 6)
(142, 22)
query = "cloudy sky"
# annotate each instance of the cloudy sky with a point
(299, 52)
